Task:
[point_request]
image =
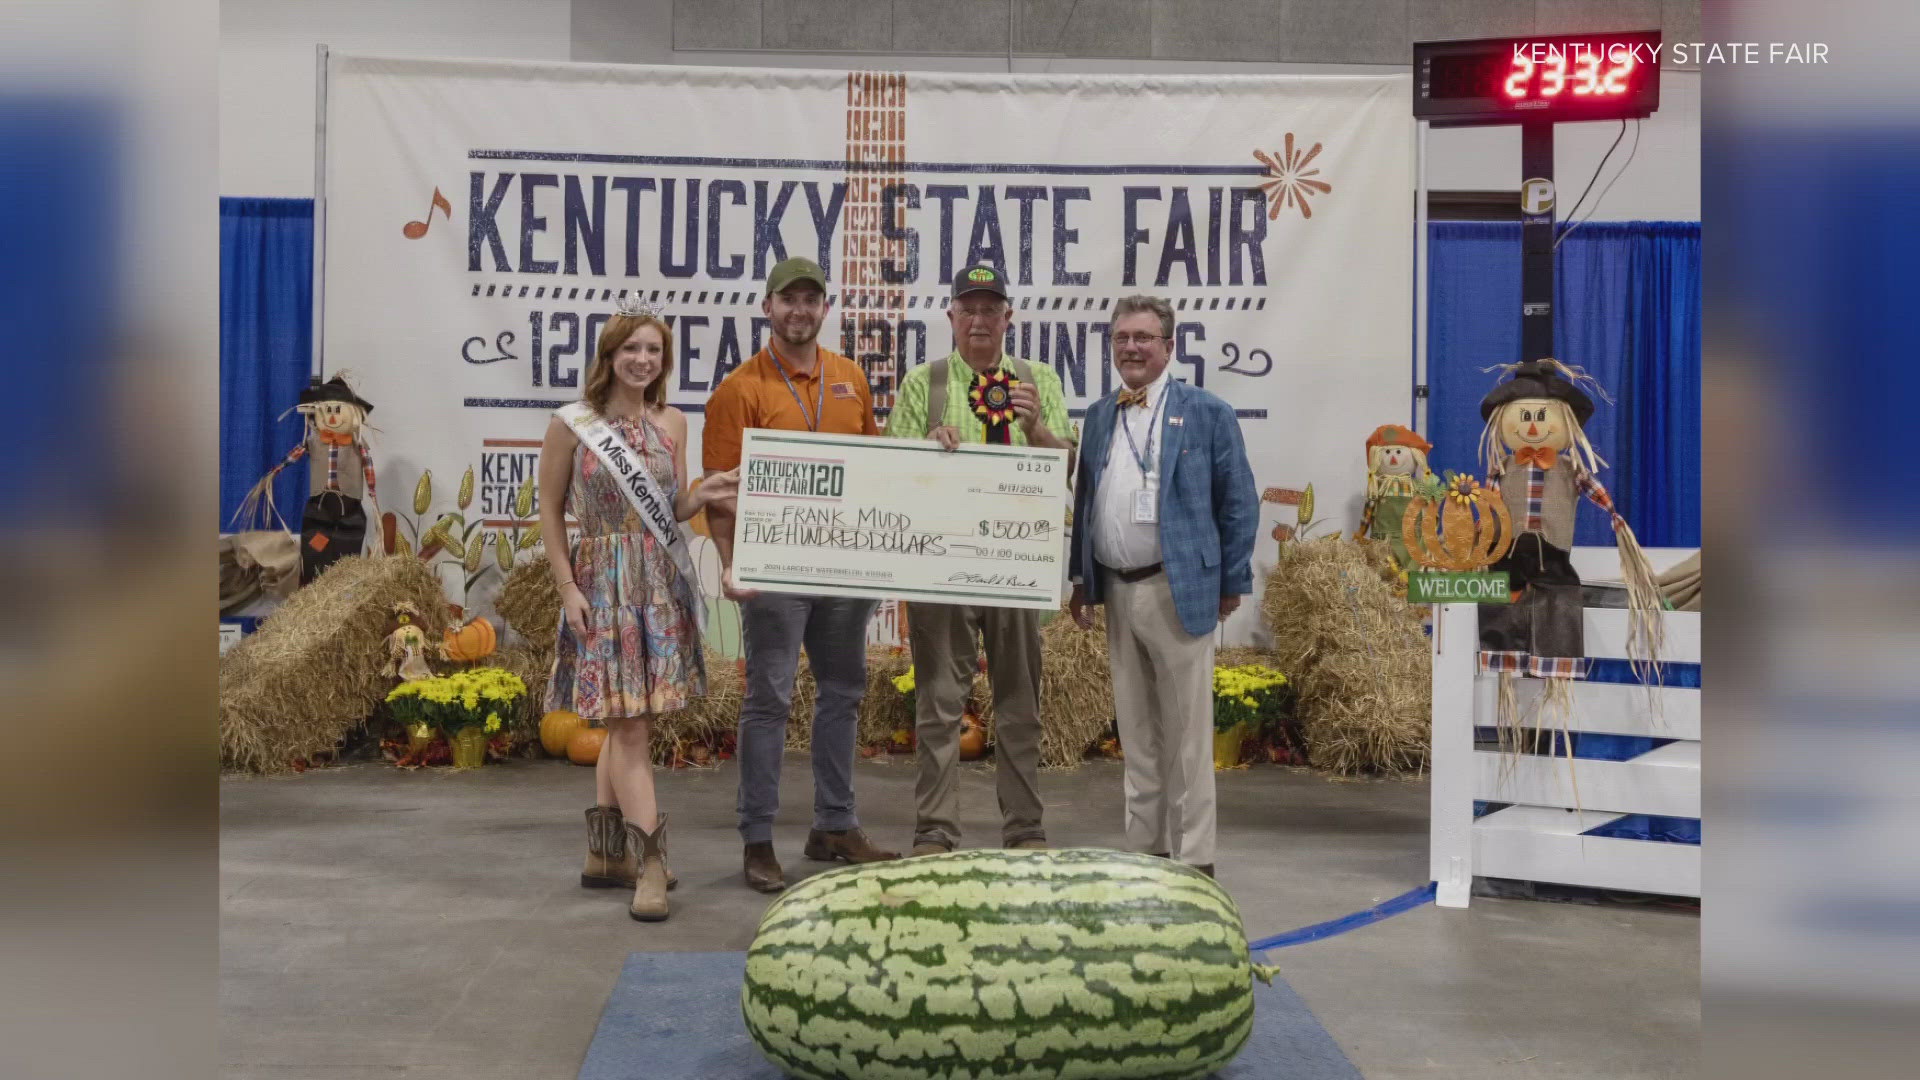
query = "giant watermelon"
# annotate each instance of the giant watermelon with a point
(1009, 965)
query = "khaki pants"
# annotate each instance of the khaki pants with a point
(944, 664)
(1163, 707)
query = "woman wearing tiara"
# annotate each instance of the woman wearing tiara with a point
(629, 639)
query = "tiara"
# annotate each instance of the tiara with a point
(633, 307)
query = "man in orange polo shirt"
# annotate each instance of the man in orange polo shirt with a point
(794, 385)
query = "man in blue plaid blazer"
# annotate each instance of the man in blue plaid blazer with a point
(1164, 519)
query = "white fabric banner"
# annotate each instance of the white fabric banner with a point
(481, 218)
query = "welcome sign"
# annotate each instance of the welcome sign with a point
(481, 219)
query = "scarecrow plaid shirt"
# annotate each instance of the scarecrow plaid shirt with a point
(1536, 478)
(333, 466)
(1540, 667)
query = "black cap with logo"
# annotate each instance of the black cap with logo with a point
(980, 277)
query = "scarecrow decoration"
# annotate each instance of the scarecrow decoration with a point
(334, 524)
(407, 645)
(1538, 460)
(1396, 471)
(992, 398)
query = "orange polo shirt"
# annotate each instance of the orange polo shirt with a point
(755, 396)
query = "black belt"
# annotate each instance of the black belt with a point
(1131, 576)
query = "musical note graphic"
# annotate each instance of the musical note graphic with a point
(414, 230)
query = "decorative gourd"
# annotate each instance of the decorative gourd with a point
(1020, 965)
(474, 641)
(557, 729)
(973, 738)
(584, 747)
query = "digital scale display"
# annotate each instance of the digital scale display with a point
(1555, 80)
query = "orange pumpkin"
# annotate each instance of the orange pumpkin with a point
(557, 729)
(474, 641)
(973, 738)
(584, 747)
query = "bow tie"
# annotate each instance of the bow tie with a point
(1541, 456)
(1133, 397)
(335, 438)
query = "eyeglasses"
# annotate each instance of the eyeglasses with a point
(1138, 339)
(981, 311)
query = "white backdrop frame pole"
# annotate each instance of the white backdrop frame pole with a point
(1421, 385)
(318, 364)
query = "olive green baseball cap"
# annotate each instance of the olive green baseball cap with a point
(788, 271)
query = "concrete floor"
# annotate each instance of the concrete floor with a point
(377, 923)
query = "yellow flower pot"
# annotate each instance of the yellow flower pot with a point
(1226, 746)
(469, 747)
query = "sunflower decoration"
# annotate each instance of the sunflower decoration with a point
(992, 397)
(1463, 489)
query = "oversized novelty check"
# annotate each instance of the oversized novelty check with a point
(855, 515)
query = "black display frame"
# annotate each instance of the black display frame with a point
(1461, 110)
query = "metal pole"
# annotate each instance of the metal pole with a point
(319, 212)
(1536, 246)
(1421, 251)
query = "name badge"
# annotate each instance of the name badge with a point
(1145, 512)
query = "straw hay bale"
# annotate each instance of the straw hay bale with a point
(1076, 689)
(531, 607)
(311, 674)
(1242, 655)
(1356, 654)
(884, 710)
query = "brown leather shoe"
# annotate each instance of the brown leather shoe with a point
(1161, 854)
(1205, 868)
(763, 870)
(1031, 843)
(929, 847)
(849, 844)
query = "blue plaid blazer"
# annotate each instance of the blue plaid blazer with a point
(1209, 510)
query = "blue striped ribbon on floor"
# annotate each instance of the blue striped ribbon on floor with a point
(1385, 909)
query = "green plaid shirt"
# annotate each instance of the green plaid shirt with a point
(909, 417)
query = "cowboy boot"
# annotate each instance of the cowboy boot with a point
(611, 861)
(650, 888)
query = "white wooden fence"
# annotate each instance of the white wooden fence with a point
(1540, 837)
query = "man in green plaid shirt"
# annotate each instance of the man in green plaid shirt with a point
(983, 396)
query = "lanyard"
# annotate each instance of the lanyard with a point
(820, 399)
(1144, 461)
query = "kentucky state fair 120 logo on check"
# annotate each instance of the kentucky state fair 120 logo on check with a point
(853, 515)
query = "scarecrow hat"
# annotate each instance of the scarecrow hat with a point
(1395, 435)
(1540, 379)
(334, 389)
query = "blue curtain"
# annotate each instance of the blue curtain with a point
(1627, 304)
(266, 345)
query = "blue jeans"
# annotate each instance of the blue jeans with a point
(834, 631)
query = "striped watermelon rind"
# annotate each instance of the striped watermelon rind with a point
(1078, 964)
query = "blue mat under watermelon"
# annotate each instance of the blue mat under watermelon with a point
(676, 1016)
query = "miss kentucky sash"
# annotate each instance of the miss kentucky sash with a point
(654, 506)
